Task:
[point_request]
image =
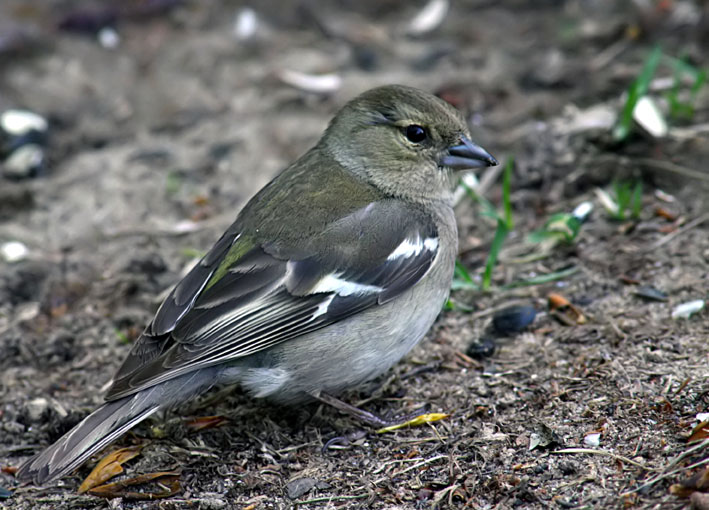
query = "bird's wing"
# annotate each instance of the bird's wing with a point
(245, 296)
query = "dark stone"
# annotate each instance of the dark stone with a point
(513, 319)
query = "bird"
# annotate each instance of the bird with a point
(329, 275)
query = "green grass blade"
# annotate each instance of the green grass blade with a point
(488, 209)
(543, 278)
(462, 278)
(637, 89)
(506, 200)
(500, 235)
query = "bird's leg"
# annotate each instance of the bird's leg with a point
(364, 416)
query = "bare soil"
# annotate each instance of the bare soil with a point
(156, 144)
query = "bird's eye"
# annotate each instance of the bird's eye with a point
(415, 133)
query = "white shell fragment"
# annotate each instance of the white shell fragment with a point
(702, 417)
(245, 24)
(36, 408)
(430, 17)
(607, 201)
(20, 122)
(686, 310)
(648, 116)
(592, 440)
(665, 197)
(318, 83)
(582, 211)
(13, 251)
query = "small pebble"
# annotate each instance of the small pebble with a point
(36, 409)
(108, 38)
(592, 440)
(212, 503)
(23, 137)
(26, 161)
(482, 348)
(20, 122)
(301, 486)
(13, 251)
(513, 319)
(544, 437)
(246, 24)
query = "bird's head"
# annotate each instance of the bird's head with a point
(406, 142)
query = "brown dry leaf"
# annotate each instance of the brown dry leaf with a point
(664, 406)
(201, 200)
(108, 467)
(667, 229)
(699, 432)
(168, 481)
(664, 213)
(206, 422)
(680, 490)
(628, 280)
(685, 488)
(58, 311)
(629, 500)
(564, 311)
(698, 482)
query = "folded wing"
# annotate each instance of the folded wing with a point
(246, 295)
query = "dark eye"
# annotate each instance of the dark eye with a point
(415, 133)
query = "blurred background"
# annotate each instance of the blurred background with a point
(132, 132)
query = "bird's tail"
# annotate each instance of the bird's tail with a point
(106, 424)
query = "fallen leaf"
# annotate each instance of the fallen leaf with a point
(685, 488)
(628, 280)
(169, 481)
(206, 422)
(562, 309)
(415, 422)
(108, 467)
(700, 432)
(665, 213)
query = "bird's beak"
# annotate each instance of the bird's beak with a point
(467, 155)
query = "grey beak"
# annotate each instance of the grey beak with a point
(467, 155)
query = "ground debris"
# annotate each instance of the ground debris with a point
(158, 140)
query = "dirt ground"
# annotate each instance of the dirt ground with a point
(156, 143)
